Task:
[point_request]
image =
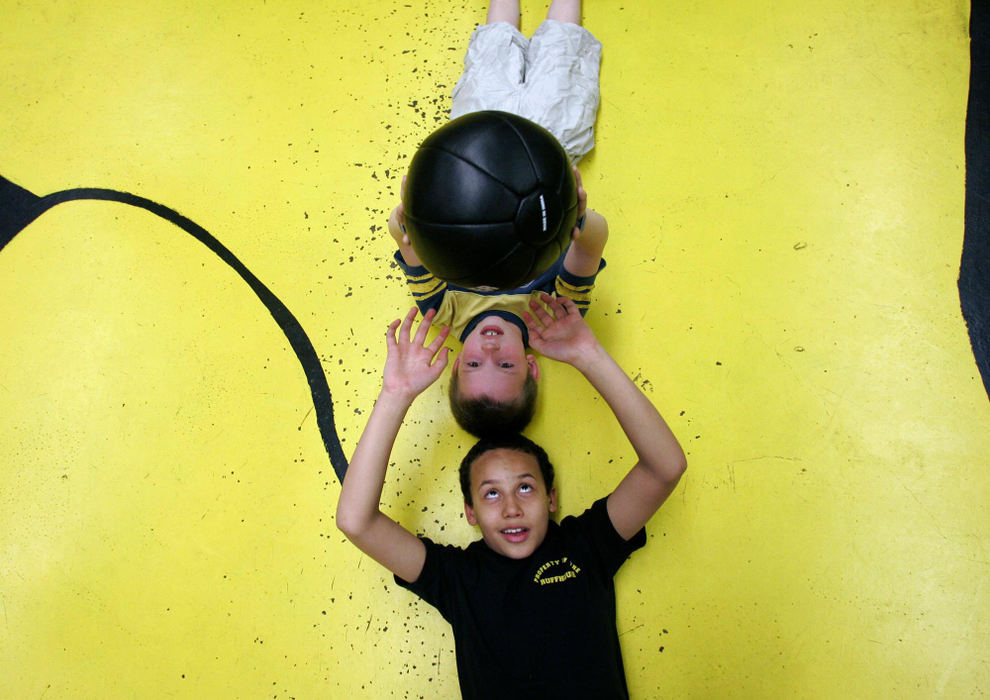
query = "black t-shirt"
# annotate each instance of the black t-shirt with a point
(541, 627)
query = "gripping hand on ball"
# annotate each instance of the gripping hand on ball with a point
(582, 204)
(397, 229)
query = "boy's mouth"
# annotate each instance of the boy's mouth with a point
(515, 534)
(491, 331)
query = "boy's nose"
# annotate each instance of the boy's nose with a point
(511, 508)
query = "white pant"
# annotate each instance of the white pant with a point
(551, 79)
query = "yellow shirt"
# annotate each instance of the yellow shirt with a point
(458, 307)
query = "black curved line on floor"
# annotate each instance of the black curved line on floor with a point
(18, 208)
(974, 266)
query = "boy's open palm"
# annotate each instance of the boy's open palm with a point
(558, 331)
(411, 364)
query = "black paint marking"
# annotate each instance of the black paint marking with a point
(974, 268)
(18, 208)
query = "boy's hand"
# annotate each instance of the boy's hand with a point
(400, 212)
(397, 226)
(582, 203)
(397, 229)
(411, 366)
(559, 332)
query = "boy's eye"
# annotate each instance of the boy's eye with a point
(506, 365)
(525, 488)
(491, 493)
(473, 363)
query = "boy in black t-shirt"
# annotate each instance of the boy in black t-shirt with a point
(531, 605)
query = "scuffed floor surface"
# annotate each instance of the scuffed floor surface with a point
(784, 188)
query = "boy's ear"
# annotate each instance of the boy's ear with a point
(453, 367)
(469, 514)
(553, 500)
(534, 368)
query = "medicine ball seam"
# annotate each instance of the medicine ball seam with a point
(490, 174)
(526, 147)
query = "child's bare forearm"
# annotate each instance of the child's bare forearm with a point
(557, 330)
(595, 234)
(413, 363)
(585, 253)
(360, 494)
(661, 460)
(359, 514)
(648, 433)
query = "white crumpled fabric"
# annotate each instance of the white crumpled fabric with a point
(551, 79)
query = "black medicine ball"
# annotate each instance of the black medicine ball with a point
(490, 200)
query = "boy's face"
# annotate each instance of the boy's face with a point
(494, 362)
(511, 503)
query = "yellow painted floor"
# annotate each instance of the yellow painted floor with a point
(784, 184)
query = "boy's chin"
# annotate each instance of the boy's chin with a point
(519, 551)
(513, 554)
(510, 330)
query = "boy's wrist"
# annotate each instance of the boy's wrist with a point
(399, 397)
(590, 357)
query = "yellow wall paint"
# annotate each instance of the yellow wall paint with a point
(784, 185)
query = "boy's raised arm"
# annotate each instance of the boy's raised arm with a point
(411, 366)
(585, 252)
(561, 334)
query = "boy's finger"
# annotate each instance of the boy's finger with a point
(540, 312)
(438, 341)
(567, 304)
(407, 324)
(440, 362)
(535, 329)
(553, 303)
(420, 337)
(390, 331)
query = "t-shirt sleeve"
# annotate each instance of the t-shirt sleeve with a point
(427, 289)
(430, 584)
(611, 547)
(576, 288)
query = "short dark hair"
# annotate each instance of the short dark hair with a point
(484, 417)
(517, 442)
